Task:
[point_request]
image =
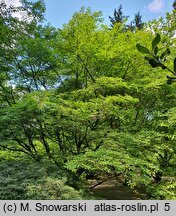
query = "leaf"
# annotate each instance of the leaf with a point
(156, 41)
(175, 65)
(165, 53)
(142, 49)
(156, 50)
(153, 63)
(170, 80)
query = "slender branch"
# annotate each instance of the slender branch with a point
(87, 70)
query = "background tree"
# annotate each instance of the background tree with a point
(138, 23)
(118, 17)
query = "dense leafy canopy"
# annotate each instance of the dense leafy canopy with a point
(85, 99)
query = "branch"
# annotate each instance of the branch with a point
(111, 177)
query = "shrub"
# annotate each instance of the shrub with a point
(164, 191)
(26, 179)
(52, 189)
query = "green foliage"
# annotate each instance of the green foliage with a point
(52, 189)
(101, 162)
(26, 179)
(164, 190)
(82, 100)
(156, 60)
(16, 175)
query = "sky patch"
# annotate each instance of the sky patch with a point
(156, 6)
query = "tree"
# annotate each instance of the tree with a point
(157, 59)
(118, 17)
(83, 97)
(79, 43)
(174, 5)
(138, 23)
(27, 65)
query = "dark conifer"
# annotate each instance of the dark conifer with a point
(138, 23)
(118, 17)
(174, 5)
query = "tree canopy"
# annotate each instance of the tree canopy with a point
(93, 101)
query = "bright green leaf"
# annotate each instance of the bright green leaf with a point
(156, 50)
(156, 41)
(142, 49)
(165, 53)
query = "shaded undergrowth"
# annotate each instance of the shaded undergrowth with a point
(23, 178)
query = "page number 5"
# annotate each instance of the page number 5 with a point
(167, 207)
